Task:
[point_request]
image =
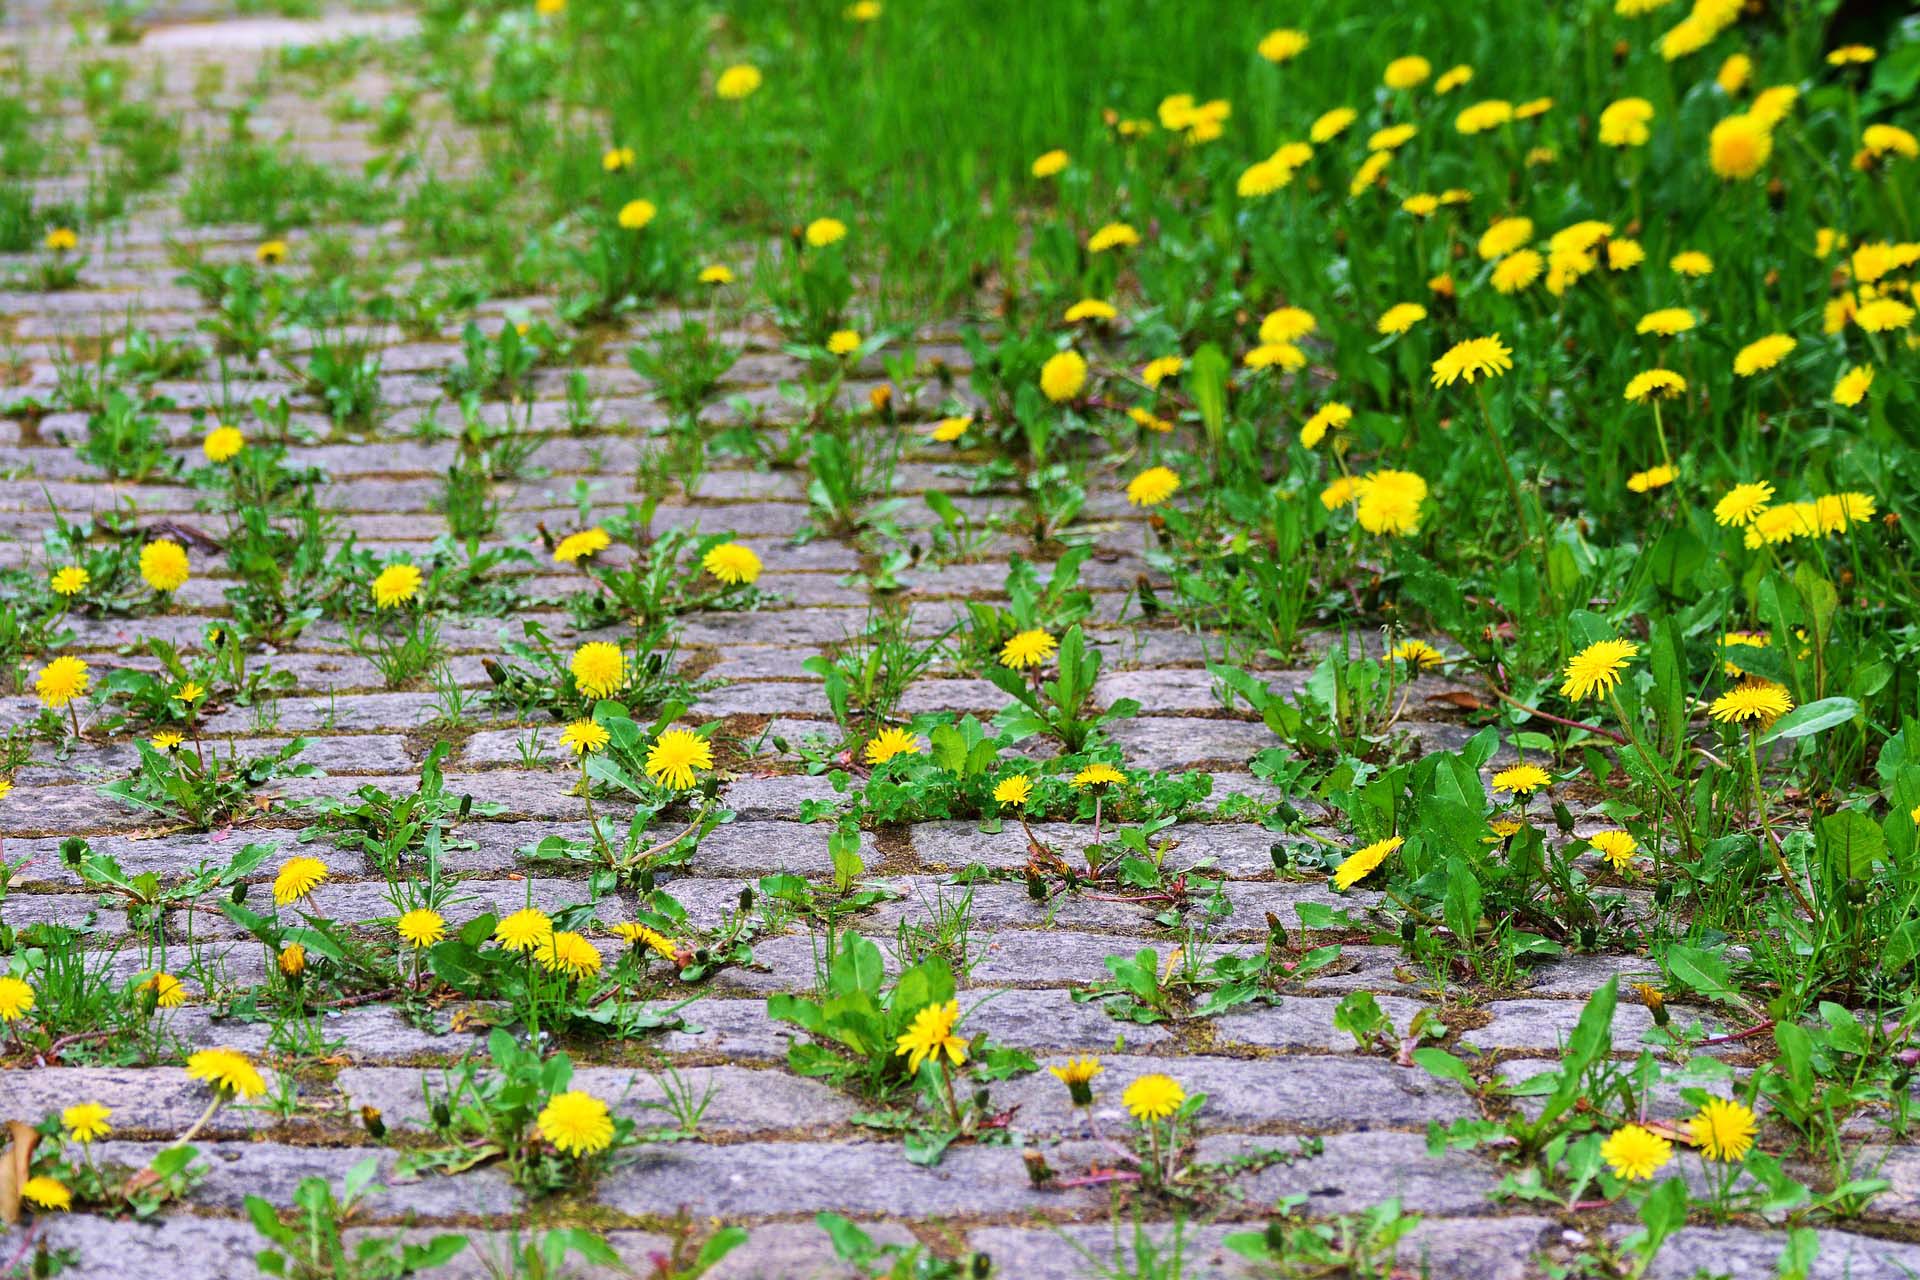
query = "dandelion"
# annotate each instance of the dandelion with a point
(1400, 317)
(1742, 503)
(1617, 847)
(1090, 309)
(569, 953)
(1516, 271)
(584, 737)
(1734, 73)
(1063, 376)
(1333, 414)
(87, 1121)
(1283, 44)
(1405, 73)
(930, 1034)
(716, 274)
(674, 757)
(1362, 863)
(1755, 700)
(1883, 315)
(1624, 255)
(166, 740)
(1421, 204)
(1652, 478)
(1390, 502)
(421, 928)
(61, 681)
(396, 584)
(1691, 263)
(576, 1123)
(636, 214)
(298, 878)
(293, 960)
(61, 240)
(1027, 649)
(1269, 355)
(1635, 1154)
(1597, 668)
(168, 991)
(1624, 123)
(889, 743)
(1453, 78)
(1472, 358)
(223, 444)
(1114, 235)
(1417, 654)
(948, 430)
(523, 930)
(843, 342)
(822, 232)
(163, 564)
(1392, 138)
(1097, 775)
(69, 580)
(1738, 147)
(1655, 384)
(616, 159)
(1762, 353)
(1666, 322)
(732, 563)
(635, 934)
(1288, 324)
(1882, 140)
(1503, 236)
(46, 1192)
(228, 1072)
(1152, 487)
(1015, 791)
(16, 999)
(1331, 124)
(1077, 1074)
(1153, 1097)
(270, 253)
(1852, 387)
(1723, 1130)
(583, 545)
(1050, 164)
(1482, 116)
(599, 668)
(737, 82)
(1158, 370)
(1521, 779)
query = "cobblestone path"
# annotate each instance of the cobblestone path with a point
(1340, 1130)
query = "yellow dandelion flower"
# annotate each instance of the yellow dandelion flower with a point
(1063, 376)
(421, 927)
(1153, 1097)
(1522, 779)
(396, 584)
(298, 878)
(674, 757)
(163, 564)
(226, 1071)
(1362, 863)
(1027, 649)
(732, 563)
(576, 1123)
(599, 669)
(889, 743)
(1597, 668)
(1472, 358)
(1635, 1154)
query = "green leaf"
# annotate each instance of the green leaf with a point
(1814, 717)
(1852, 842)
(1442, 1065)
(1207, 380)
(1704, 972)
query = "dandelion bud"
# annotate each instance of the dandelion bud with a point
(370, 1117)
(1039, 1172)
(746, 898)
(466, 805)
(72, 849)
(1036, 885)
(442, 1116)
(238, 894)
